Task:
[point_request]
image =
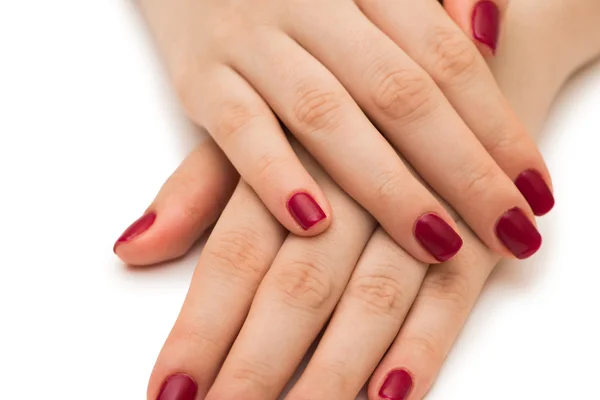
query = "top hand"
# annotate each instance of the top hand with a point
(332, 70)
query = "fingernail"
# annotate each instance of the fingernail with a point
(437, 237)
(486, 24)
(178, 387)
(305, 210)
(136, 229)
(397, 385)
(518, 234)
(536, 192)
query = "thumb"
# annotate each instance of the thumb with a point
(188, 203)
(480, 19)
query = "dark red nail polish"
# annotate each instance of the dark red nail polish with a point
(305, 210)
(518, 234)
(136, 229)
(437, 237)
(533, 187)
(397, 385)
(178, 387)
(486, 23)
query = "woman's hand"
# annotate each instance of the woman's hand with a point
(259, 298)
(335, 70)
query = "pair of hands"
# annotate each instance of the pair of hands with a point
(290, 285)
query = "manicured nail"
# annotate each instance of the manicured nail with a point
(397, 385)
(437, 237)
(136, 229)
(536, 192)
(305, 210)
(486, 23)
(178, 387)
(518, 234)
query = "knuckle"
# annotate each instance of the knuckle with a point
(237, 253)
(388, 186)
(269, 166)
(478, 179)
(502, 138)
(380, 292)
(255, 373)
(196, 335)
(426, 345)
(317, 109)
(450, 287)
(305, 284)
(456, 58)
(234, 118)
(400, 94)
(335, 374)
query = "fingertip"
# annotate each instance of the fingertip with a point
(438, 237)
(481, 20)
(310, 217)
(136, 229)
(168, 237)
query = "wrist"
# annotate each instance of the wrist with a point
(544, 42)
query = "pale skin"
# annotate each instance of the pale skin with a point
(355, 81)
(289, 285)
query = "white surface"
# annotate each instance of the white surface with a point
(89, 131)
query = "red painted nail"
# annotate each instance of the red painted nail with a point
(397, 385)
(437, 237)
(518, 234)
(136, 229)
(305, 210)
(178, 387)
(536, 192)
(486, 24)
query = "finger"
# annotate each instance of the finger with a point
(327, 121)
(245, 128)
(187, 204)
(418, 119)
(238, 253)
(365, 323)
(293, 303)
(439, 312)
(424, 31)
(481, 20)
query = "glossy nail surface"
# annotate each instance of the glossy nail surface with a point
(178, 387)
(136, 229)
(486, 24)
(305, 210)
(536, 192)
(397, 385)
(518, 234)
(437, 237)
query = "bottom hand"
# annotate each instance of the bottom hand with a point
(259, 298)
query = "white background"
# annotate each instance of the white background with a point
(88, 132)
